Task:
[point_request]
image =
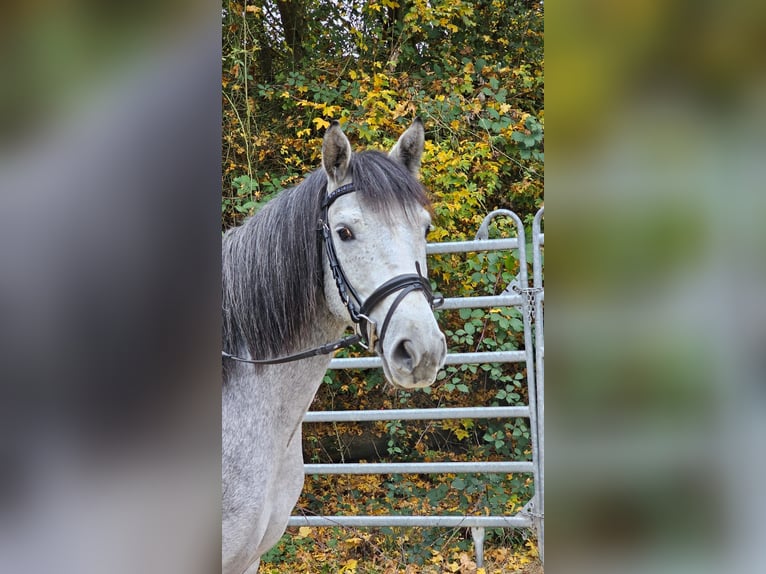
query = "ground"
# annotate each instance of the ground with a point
(325, 550)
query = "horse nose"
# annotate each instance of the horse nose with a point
(421, 363)
(406, 356)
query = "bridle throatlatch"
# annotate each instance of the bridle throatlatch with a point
(367, 334)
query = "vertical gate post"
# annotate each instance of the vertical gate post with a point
(539, 296)
(477, 533)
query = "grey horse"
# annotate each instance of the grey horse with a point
(288, 287)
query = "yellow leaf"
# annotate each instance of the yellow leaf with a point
(461, 434)
(304, 531)
(353, 75)
(320, 123)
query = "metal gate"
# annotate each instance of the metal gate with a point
(521, 293)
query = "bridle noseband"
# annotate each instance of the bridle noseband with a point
(359, 311)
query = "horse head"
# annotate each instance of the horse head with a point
(376, 219)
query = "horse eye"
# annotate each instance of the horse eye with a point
(428, 230)
(344, 233)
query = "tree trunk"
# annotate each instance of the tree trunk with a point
(293, 16)
(265, 72)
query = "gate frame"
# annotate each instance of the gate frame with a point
(530, 300)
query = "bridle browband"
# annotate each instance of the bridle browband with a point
(358, 310)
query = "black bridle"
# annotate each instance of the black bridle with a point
(359, 311)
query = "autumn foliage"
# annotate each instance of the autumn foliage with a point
(473, 72)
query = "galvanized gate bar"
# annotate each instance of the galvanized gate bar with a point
(475, 245)
(417, 414)
(452, 359)
(537, 283)
(388, 520)
(420, 467)
(469, 246)
(481, 302)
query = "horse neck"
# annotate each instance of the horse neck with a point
(284, 391)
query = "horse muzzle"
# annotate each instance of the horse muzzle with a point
(413, 358)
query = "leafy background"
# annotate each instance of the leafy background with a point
(473, 71)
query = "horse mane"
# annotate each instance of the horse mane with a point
(272, 265)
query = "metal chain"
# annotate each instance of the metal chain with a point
(530, 298)
(530, 509)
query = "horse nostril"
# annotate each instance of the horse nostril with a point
(403, 354)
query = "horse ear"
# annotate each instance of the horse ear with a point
(409, 149)
(336, 153)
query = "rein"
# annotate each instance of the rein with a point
(358, 310)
